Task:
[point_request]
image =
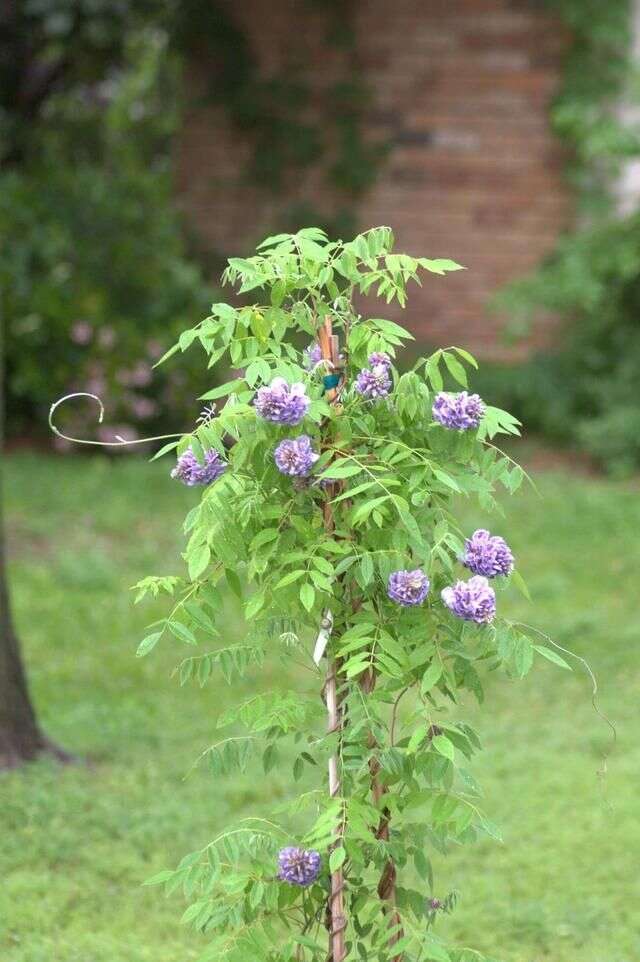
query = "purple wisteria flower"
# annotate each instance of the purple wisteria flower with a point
(472, 600)
(191, 472)
(312, 355)
(379, 357)
(281, 403)
(295, 456)
(487, 554)
(459, 412)
(297, 866)
(374, 383)
(408, 587)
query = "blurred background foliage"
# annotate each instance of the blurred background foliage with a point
(583, 391)
(97, 277)
(89, 108)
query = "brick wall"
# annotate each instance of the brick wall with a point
(461, 91)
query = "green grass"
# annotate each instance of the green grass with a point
(77, 842)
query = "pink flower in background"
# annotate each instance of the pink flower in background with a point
(96, 385)
(141, 407)
(81, 332)
(138, 376)
(107, 337)
(61, 444)
(154, 349)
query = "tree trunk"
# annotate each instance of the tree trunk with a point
(20, 736)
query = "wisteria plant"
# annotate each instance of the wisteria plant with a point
(329, 485)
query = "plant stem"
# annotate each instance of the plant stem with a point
(387, 883)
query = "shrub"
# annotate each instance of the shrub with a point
(329, 483)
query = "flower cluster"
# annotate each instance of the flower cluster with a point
(297, 866)
(487, 554)
(312, 355)
(295, 456)
(408, 587)
(281, 403)
(458, 412)
(379, 357)
(191, 472)
(472, 600)
(374, 382)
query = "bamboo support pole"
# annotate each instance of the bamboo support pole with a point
(336, 917)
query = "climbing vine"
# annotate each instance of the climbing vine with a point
(329, 508)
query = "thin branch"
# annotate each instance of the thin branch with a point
(394, 715)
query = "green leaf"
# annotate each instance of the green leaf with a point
(273, 240)
(422, 864)
(436, 952)
(366, 569)
(255, 604)
(520, 584)
(364, 510)
(390, 327)
(164, 449)
(307, 595)
(230, 387)
(198, 559)
(277, 293)
(417, 737)
(352, 492)
(408, 521)
(522, 655)
(344, 468)
(432, 372)
(492, 830)
(187, 338)
(290, 578)
(439, 266)
(165, 357)
(234, 582)
(553, 656)
(263, 537)
(148, 644)
(269, 758)
(337, 858)
(447, 480)
(469, 358)
(431, 677)
(182, 633)
(456, 369)
(442, 744)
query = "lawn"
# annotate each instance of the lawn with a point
(77, 842)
